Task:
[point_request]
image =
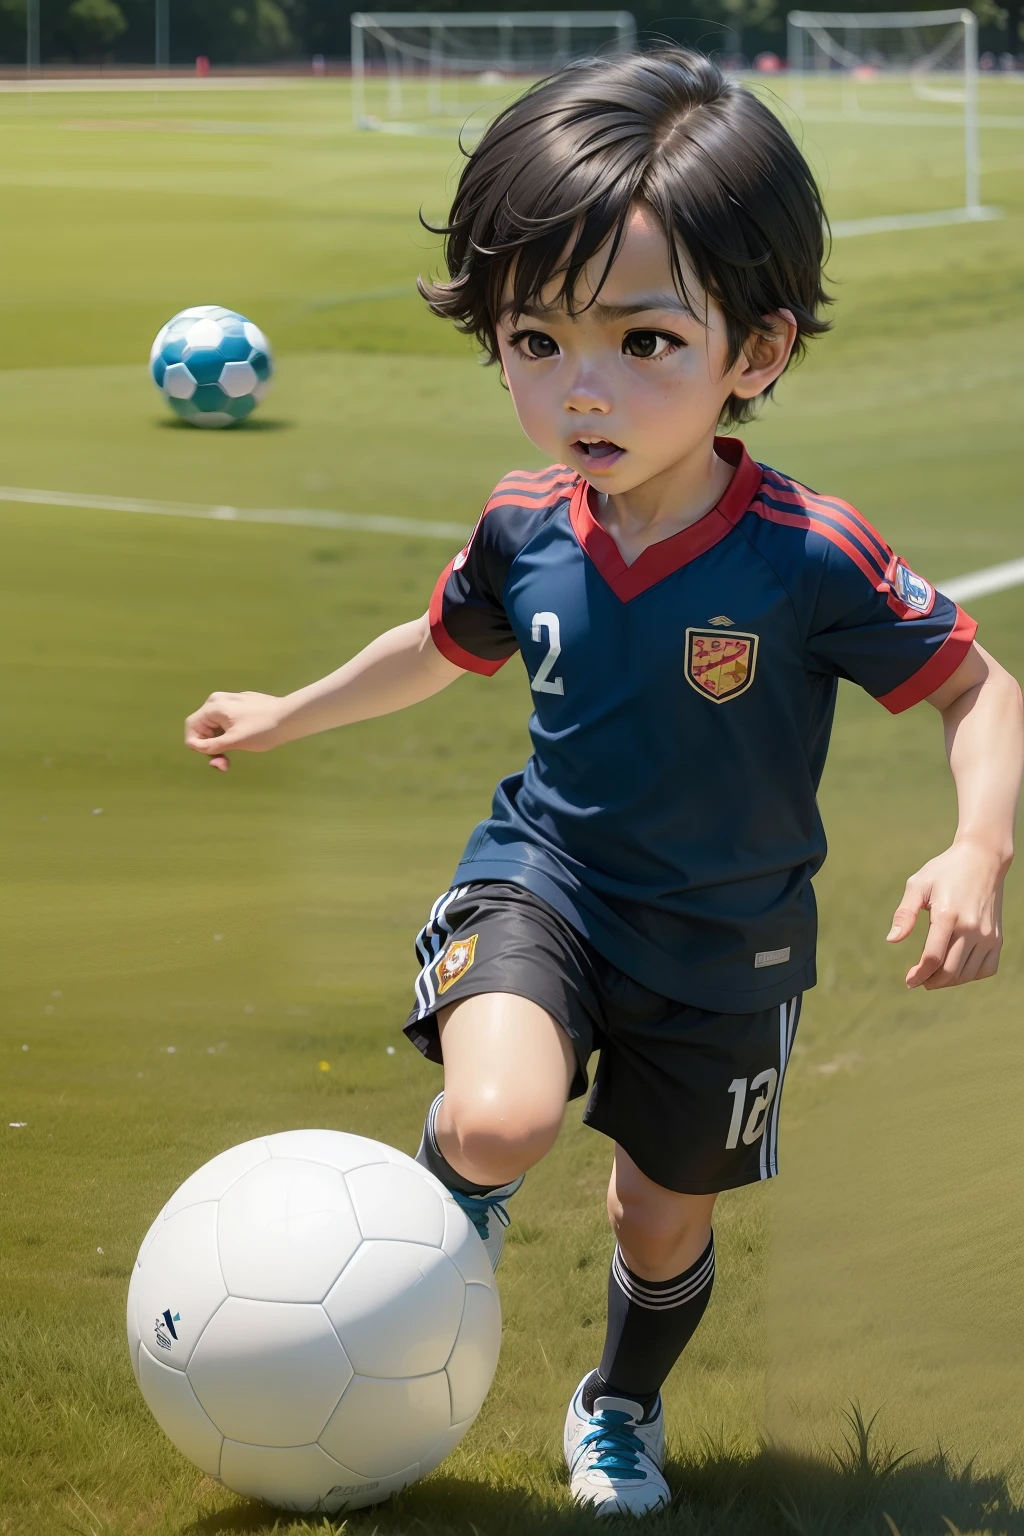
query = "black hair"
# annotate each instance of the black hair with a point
(555, 176)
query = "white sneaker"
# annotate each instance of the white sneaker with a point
(489, 1216)
(614, 1459)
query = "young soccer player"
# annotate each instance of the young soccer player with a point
(638, 242)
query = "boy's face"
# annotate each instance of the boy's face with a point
(635, 382)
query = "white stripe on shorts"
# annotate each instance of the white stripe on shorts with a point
(788, 1015)
(430, 941)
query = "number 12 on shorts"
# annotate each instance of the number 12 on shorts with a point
(767, 1082)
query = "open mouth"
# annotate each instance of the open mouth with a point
(598, 452)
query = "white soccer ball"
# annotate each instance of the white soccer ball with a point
(313, 1320)
(212, 365)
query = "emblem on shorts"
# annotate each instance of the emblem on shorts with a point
(720, 666)
(455, 962)
(910, 588)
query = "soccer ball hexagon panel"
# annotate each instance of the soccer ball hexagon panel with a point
(313, 1320)
(212, 365)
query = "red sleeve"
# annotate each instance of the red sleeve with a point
(938, 669)
(884, 627)
(449, 647)
(468, 621)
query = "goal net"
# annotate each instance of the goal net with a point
(887, 70)
(423, 71)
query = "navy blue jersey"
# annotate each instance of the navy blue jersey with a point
(682, 711)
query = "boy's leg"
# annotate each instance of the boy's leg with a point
(659, 1285)
(658, 1290)
(694, 1095)
(508, 1069)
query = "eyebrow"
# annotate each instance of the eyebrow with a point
(610, 312)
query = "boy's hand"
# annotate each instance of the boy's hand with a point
(248, 722)
(962, 890)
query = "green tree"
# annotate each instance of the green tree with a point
(93, 25)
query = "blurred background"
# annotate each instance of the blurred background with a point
(276, 32)
(191, 959)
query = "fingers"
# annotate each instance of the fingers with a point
(245, 721)
(214, 744)
(209, 721)
(970, 954)
(906, 913)
(990, 964)
(940, 933)
(976, 962)
(972, 968)
(207, 729)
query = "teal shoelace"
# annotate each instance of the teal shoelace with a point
(479, 1208)
(618, 1444)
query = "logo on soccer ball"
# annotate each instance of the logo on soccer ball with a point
(165, 1325)
(211, 365)
(911, 589)
(720, 666)
(455, 962)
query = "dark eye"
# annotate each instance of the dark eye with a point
(534, 344)
(539, 345)
(649, 344)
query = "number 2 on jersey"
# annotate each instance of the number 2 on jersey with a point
(543, 682)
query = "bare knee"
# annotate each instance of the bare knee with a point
(659, 1231)
(492, 1138)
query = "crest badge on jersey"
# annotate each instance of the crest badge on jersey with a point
(455, 962)
(912, 590)
(720, 665)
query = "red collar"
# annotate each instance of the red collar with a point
(671, 554)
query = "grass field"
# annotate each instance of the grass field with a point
(183, 951)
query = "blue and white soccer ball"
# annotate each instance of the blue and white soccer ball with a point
(211, 365)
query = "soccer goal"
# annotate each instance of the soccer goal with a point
(886, 70)
(423, 71)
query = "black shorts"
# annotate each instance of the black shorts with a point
(692, 1096)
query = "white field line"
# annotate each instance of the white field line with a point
(962, 589)
(297, 517)
(903, 119)
(161, 83)
(883, 224)
(994, 578)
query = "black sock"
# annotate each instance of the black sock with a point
(432, 1158)
(650, 1323)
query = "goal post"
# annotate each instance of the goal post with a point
(412, 70)
(887, 64)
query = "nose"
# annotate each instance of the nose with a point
(587, 394)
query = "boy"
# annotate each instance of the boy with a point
(639, 243)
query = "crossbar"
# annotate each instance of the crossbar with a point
(493, 19)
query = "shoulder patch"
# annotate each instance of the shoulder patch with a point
(912, 590)
(463, 554)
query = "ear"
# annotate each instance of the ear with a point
(764, 357)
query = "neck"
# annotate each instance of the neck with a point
(669, 501)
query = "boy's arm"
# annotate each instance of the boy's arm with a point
(962, 889)
(399, 668)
